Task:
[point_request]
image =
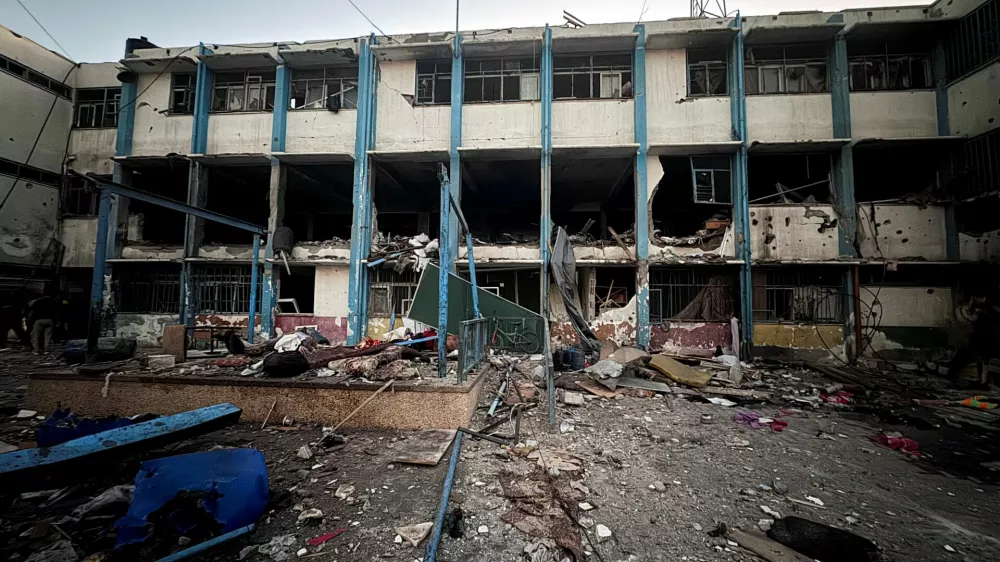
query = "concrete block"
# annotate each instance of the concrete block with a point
(160, 361)
(175, 342)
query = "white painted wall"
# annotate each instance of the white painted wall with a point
(894, 114)
(31, 54)
(28, 221)
(23, 107)
(902, 232)
(502, 125)
(672, 117)
(974, 102)
(330, 297)
(321, 131)
(789, 117)
(795, 230)
(156, 132)
(79, 238)
(401, 125)
(92, 150)
(239, 133)
(984, 247)
(592, 122)
(97, 75)
(907, 306)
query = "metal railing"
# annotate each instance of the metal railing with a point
(473, 341)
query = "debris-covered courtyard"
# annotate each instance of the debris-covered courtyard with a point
(701, 470)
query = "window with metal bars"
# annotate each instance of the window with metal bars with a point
(433, 82)
(147, 288)
(507, 79)
(890, 71)
(974, 41)
(391, 292)
(605, 76)
(810, 294)
(800, 69)
(707, 72)
(97, 108)
(325, 88)
(691, 295)
(251, 90)
(224, 289)
(79, 198)
(977, 166)
(710, 176)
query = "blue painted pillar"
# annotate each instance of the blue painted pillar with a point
(847, 209)
(97, 280)
(253, 288)
(545, 222)
(197, 184)
(939, 70)
(455, 169)
(641, 191)
(276, 216)
(741, 198)
(361, 226)
(444, 252)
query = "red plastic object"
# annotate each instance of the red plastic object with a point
(323, 538)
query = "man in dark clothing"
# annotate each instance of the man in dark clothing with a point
(42, 314)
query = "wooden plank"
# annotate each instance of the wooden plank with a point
(738, 392)
(425, 447)
(679, 372)
(27, 468)
(596, 388)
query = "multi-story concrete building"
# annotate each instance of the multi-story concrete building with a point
(795, 172)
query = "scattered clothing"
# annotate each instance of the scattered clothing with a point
(978, 402)
(897, 442)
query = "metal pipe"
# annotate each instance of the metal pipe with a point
(97, 280)
(255, 261)
(432, 546)
(478, 435)
(210, 543)
(858, 337)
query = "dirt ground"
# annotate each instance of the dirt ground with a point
(660, 473)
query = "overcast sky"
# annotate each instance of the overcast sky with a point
(95, 30)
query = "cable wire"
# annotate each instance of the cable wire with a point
(61, 48)
(379, 29)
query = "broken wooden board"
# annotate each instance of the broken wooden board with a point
(632, 382)
(27, 468)
(626, 355)
(425, 447)
(679, 372)
(738, 392)
(596, 388)
(765, 547)
(556, 458)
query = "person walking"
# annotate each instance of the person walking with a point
(42, 315)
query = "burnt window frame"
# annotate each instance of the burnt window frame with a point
(703, 166)
(436, 90)
(186, 91)
(707, 63)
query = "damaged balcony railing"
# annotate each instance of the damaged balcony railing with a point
(473, 341)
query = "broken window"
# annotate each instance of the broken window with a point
(251, 90)
(508, 79)
(614, 287)
(693, 294)
(790, 178)
(17, 69)
(97, 107)
(433, 82)
(325, 88)
(808, 294)
(785, 70)
(318, 203)
(390, 293)
(499, 203)
(296, 290)
(152, 223)
(707, 72)
(28, 173)
(79, 198)
(240, 192)
(182, 93)
(592, 76)
(974, 40)
(711, 178)
(147, 288)
(224, 289)
(976, 162)
(890, 72)
(908, 172)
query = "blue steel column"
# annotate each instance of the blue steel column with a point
(361, 235)
(444, 251)
(123, 147)
(204, 78)
(545, 234)
(741, 198)
(97, 281)
(279, 120)
(455, 171)
(253, 288)
(939, 70)
(844, 200)
(641, 191)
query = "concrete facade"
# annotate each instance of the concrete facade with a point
(316, 171)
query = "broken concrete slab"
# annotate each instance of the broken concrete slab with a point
(625, 355)
(633, 382)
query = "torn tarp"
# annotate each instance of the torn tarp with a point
(199, 496)
(563, 266)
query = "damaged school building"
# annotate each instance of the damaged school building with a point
(804, 181)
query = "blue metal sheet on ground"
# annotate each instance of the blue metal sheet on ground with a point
(231, 485)
(23, 469)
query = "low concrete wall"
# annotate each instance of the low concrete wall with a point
(798, 336)
(690, 337)
(407, 406)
